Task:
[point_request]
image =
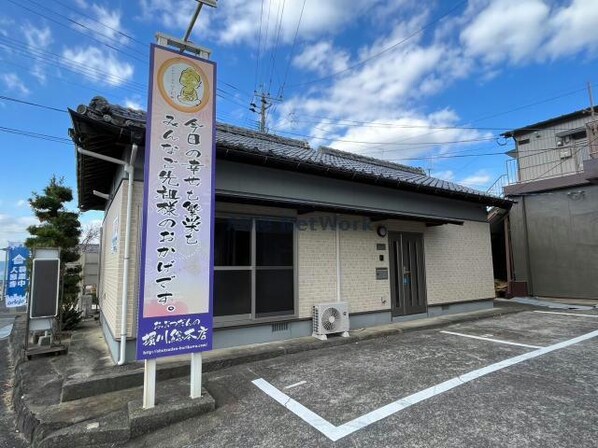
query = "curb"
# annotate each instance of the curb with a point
(115, 427)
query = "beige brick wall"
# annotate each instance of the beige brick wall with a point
(458, 262)
(111, 276)
(359, 260)
(111, 265)
(316, 262)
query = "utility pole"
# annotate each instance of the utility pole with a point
(592, 127)
(591, 99)
(266, 102)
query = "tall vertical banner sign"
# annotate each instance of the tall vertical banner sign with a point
(17, 281)
(175, 300)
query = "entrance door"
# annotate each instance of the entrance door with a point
(408, 283)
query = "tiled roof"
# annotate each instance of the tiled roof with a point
(297, 150)
(287, 150)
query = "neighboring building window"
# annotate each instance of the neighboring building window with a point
(525, 141)
(253, 268)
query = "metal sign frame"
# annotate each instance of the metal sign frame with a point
(31, 295)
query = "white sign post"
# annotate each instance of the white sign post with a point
(175, 300)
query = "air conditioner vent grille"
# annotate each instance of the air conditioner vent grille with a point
(330, 318)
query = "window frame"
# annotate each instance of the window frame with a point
(252, 318)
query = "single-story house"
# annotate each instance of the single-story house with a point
(295, 227)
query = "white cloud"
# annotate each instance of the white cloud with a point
(321, 58)
(172, 14)
(134, 102)
(385, 94)
(39, 73)
(98, 65)
(37, 37)
(444, 175)
(14, 228)
(529, 31)
(238, 21)
(5, 26)
(479, 179)
(108, 29)
(22, 203)
(574, 29)
(14, 83)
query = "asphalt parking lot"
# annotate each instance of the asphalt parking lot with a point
(522, 380)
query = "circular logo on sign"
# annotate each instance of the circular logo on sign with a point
(183, 85)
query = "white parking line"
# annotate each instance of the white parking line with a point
(5, 331)
(335, 433)
(595, 316)
(499, 341)
(300, 383)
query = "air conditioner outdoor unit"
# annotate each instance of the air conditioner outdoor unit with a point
(330, 318)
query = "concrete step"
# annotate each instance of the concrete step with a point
(117, 417)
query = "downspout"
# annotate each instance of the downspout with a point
(338, 259)
(130, 170)
(530, 283)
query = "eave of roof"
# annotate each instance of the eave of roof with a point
(105, 128)
(549, 122)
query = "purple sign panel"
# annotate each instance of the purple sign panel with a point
(175, 298)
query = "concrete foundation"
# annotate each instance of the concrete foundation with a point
(282, 331)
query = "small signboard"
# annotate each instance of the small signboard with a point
(45, 281)
(17, 279)
(175, 299)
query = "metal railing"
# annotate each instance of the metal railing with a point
(551, 163)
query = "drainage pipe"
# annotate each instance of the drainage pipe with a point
(338, 259)
(130, 170)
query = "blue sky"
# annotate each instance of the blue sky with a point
(421, 83)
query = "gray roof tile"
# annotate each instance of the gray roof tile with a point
(287, 149)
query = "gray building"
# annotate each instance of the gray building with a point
(90, 268)
(547, 245)
(295, 227)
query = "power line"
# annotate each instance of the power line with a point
(292, 52)
(28, 103)
(276, 42)
(116, 30)
(54, 59)
(524, 106)
(387, 49)
(259, 48)
(452, 156)
(375, 124)
(384, 143)
(267, 34)
(37, 135)
(546, 172)
(33, 11)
